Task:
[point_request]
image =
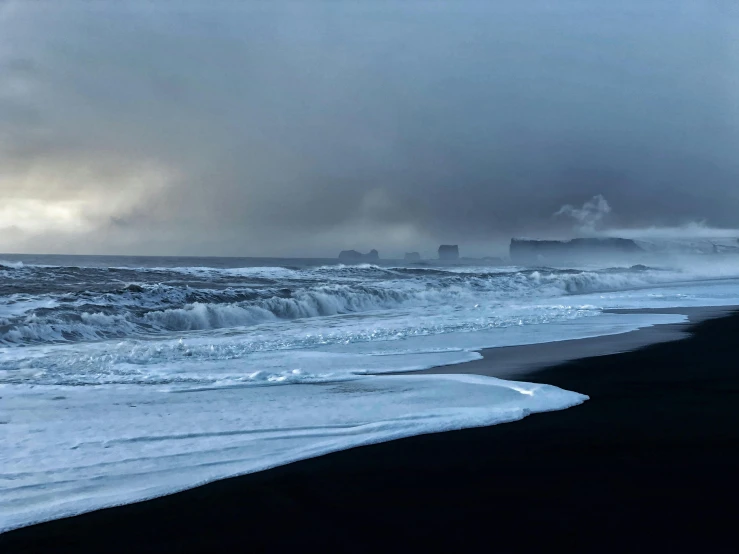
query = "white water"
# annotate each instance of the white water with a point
(111, 394)
(143, 443)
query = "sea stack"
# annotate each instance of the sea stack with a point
(448, 252)
(354, 256)
(537, 252)
(412, 257)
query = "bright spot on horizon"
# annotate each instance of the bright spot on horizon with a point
(31, 215)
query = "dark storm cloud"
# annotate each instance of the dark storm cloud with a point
(306, 127)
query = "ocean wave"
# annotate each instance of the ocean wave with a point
(10, 265)
(136, 309)
(117, 304)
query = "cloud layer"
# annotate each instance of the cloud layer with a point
(307, 127)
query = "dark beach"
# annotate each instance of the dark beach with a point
(648, 464)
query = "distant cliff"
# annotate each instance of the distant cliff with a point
(528, 252)
(354, 256)
(412, 257)
(448, 252)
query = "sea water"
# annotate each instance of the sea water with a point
(126, 378)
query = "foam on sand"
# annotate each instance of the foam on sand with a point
(70, 451)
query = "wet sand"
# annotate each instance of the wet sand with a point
(518, 362)
(648, 464)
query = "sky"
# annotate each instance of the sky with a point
(304, 128)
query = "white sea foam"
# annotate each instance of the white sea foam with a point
(14, 305)
(320, 350)
(10, 265)
(117, 445)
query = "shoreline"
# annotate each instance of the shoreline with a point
(518, 362)
(651, 455)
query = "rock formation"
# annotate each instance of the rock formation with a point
(354, 256)
(448, 252)
(412, 257)
(528, 252)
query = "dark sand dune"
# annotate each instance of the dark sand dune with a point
(650, 463)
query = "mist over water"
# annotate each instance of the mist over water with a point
(659, 245)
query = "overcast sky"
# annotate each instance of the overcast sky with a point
(266, 128)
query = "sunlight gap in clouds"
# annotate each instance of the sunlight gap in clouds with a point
(31, 215)
(79, 206)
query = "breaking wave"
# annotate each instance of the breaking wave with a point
(113, 305)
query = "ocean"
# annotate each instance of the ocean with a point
(125, 378)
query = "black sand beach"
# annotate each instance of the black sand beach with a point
(648, 464)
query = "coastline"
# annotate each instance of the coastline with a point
(519, 362)
(647, 463)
